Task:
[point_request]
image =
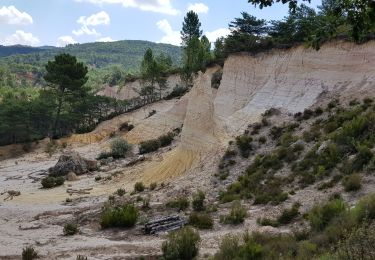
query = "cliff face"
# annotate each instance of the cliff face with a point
(292, 80)
(130, 89)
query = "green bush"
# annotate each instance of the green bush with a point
(119, 148)
(244, 144)
(180, 203)
(166, 140)
(230, 248)
(320, 216)
(358, 244)
(70, 229)
(198, 201)
(153, 186)
(120, 192)
(236, 215)
(125, 216)
(182, 244)
(288, 215)
(139, 187)
(29, 253)
(51, 182)
(268, 222)
(81, 257)
(352, 182)
(262, 140)
(149, 146)
(201, 220)
(365, 208)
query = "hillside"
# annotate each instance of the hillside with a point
(288, 134)
(25, 65)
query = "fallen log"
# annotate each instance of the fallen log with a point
(80, 191)
(165, 224)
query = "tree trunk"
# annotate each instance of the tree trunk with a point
(57, 116)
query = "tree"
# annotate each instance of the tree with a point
(264, 3)
(66, 79)
(190, 28)
(249, 24)
(154, 74)
(219, 50)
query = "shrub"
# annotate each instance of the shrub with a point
(139, 187)
(262, 140)
(126, 127)
(352, 182)
(358, 244)
(125, 216)
(149, 146)
(216, 79)
(244, 144)
(236, 215)
(229, 248)
(29, 253)
(81, 257)
(178, 91)
(166, 140)
(120, 192)
(153, 186)
(70, 229)
(181, 244)
(320, 216)
(276, 132)
(267, 222)
(98, 178)
(289, 214)
(318, 111)
(365, 208)
(51, 182)
(104, 155)
(201, 220)
(198, 201)
(180, 203)
(119, 148)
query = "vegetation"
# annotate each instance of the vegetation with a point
(70, 229)
(180, 203)
(196, 48)
(352, 182)
(51, 182)
(124, 217)
(181, 245)
(201, 220)
(334, 19)
(139, 187)
(154, 144)
(198, 201)
(337, 231)
(29, 253)
(120, 192)
(236, 215)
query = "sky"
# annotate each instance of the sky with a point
(62, 22)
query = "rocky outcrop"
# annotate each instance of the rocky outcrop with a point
(72, 162)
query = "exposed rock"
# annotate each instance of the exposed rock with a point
(322, 147)
(72, 177)
(72, 162)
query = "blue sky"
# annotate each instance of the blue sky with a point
(59, 22)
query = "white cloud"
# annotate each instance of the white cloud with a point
(171, 36)
(21, 37)
(105, 39)
(65, 40)
(11, 15)
(214, 35)
(157, 6)
(199, 8)
(101, 18)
